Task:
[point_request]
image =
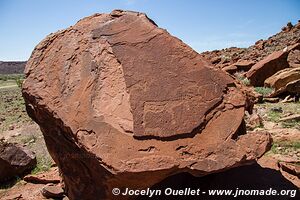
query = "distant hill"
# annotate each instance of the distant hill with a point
(289, 35)
(12, 67)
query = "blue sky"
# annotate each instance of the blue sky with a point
(204, 25)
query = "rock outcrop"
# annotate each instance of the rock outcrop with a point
(287, 80)
(122, 103)
(240, 66)
(15, 160)
(270, 65)
(294, 58)
(257, 52)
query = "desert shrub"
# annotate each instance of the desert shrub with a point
(19, 82)
(240, 76)
(284, 147)
(245, 81)
(265, 91)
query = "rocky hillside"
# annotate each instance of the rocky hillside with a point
(289, 35)
(15, 67)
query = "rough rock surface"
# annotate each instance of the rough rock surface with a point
(294, 58)
(14, 160)
(52, 191)
(291, 168)
(270, 65)
(52, 176)
(286, 80)
(242, 65)
(122, 103)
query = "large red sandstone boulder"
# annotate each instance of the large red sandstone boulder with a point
(273, 63)
(122, 103)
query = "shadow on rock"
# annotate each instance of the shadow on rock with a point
(252, 177)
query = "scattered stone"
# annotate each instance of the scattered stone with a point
(152, 107)
(271, 100)
(242, 65)
(288, 99)
(254, 121)
(286, 158)
(11, 127)
(277, 109)
(51, 176)
(16, 134)
(216, 60)
(291, 168)
(52, 191)
(270, 125)
(295, 117)
(15, 160)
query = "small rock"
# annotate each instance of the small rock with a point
(287, 99)
(31, 141)
(269, 125)
(51, 176)
(293, 169)
(16, 134)
(271, 100)
(254, 121)
(11, 127)
(295, 117)
(277, 109)
(216, 60)
(15, 160)
(38, 180)
(52, 191)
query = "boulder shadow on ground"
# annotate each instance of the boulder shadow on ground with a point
(251, 177)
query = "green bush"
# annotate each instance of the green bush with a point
(6, 77)
(265, 91)
(19, 82)
(245, 81)
(239, 75)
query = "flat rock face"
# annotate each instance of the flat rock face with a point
(171, 89)
(122, 103)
